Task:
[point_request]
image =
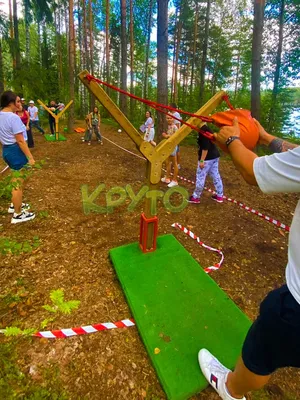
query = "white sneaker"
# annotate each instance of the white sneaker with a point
(172, 184)
(23, 217)
(24, 207)
(165, 180)
(215, 373)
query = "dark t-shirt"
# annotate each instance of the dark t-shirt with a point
(205, 144)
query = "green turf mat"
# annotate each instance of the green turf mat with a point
(51, 138)
(178, 309)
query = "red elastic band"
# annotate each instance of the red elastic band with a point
(159, 107)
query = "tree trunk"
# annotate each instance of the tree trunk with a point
(1, 69)
(146, 84)
(174, 56)
(162, 61)
(194, 48)
(258, 23)
(86, 57)
(59, 53)
(71, 64)
(131, 60)
(237, 75)
(204, 53)
(27, 34)
(107, 44)
(278, 66)
(178, 41)
(11, 34)
(91, 34)
(123, 99)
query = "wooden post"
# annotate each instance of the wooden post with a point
(155, 155)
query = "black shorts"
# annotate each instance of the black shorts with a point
(273, 340)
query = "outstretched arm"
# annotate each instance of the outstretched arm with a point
(243, 158)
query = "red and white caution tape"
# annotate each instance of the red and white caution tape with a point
(189, 233)
(83, 330)
(242, 205)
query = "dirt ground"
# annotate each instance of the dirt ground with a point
(73, 255)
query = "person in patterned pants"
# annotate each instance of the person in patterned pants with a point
(208, 164)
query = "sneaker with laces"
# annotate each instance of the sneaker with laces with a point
(215, 373)
(194, 200)
(217, 198)
(172, 184)
(23, 217)
(165, 180)
(11, 208)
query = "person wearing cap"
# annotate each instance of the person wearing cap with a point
(34, 118)
(25, 106)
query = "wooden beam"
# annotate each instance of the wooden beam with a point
(111, 107)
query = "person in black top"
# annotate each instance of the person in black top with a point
(208, 164)
(53, 107)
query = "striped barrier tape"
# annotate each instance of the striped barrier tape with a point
(83, 330)
(240, 204)
(189, 233)
(243, 206)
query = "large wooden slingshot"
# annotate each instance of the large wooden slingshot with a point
(56, 117)
(155, 155)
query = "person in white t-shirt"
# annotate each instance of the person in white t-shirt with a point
(273, 340)
(178, 124)
(15, 152)
(34, 117)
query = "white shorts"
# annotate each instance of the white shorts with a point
(150, 136)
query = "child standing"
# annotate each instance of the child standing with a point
(178, 124)
(208, 164)
(93, 122)
(172, 159)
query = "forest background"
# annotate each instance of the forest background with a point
(180, 51)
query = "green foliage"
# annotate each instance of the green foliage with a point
(46, 322)
(10, 246)
(59, 304)
(15, 331)
(15, 178)
(44, 214)
(14, 384)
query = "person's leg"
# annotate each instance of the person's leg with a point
(30, 138)
(241, 380)
(38, 127)
(51, 123)
(168, 166)
(17, 194)
(200, 180)
(178, 159)
(216, 177)
(97, 133)
(175, 166)
(89, 135)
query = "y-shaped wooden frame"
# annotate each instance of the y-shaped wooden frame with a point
(56, 117)
(155, 155)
